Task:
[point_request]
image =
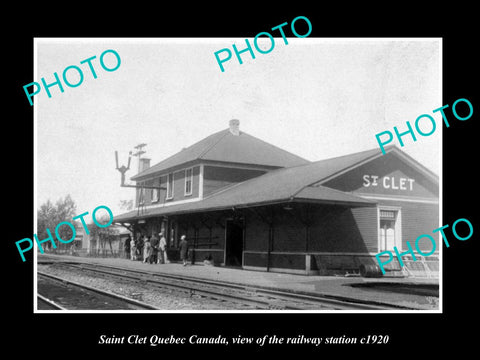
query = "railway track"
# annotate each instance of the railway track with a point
(44, 303)
(56, 293)
(246, 296)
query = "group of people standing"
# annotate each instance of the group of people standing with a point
(153, 249)
(149, 249)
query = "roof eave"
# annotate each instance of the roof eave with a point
(145, 175)
(351, 203)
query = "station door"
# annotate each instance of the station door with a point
(233, 243)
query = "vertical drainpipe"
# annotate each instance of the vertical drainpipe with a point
(307, 227)
(306, 223)
(307, 236)
(269, 246)
(308, 257)
(269, 222)
(167, 230)
(244, 224)
(210, 237)
(270, 239)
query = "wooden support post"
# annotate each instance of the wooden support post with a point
(307, 223)
(271, 237)
(269, 221)
(204, 220)
(308, 264)
(307, 237)
(195, 236)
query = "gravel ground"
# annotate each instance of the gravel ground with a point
(329, 285)
(162, 300)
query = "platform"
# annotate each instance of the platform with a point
(416, 293)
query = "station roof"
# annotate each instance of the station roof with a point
(248, 196)
(226, 147)
(296, 184)
(302, 183)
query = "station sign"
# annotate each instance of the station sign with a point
(388, 182)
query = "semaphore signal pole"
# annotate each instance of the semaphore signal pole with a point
(123, 169)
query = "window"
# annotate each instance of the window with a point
(156, 192)
(188, 181)
(154, 195)
(387, 234)
(170, 186)
(390, 229)
(387, 214)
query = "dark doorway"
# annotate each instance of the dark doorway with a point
(233, 243)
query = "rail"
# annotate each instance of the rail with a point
(117, 297)
(254, 296)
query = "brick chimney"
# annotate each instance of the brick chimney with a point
(144, 164)
(234, 127)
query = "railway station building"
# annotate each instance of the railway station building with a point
(248, 204)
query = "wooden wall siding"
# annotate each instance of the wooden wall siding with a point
(366, 223)
(187, 225)
(417, 219)
(200, 255)
(178, 187)
(256, 233)
(160, 181)
(279, 261)
(204, 245)
(285, 261)
(330, 264)
(255, 259)
(338, 229)
(215, 177)
(327, 263)
(333, 229)
(289, 232)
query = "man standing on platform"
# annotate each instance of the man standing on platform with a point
(183, 247)
(127, 246)
(154, 245)
(163, 249)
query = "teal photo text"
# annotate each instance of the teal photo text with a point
(73, 75)
(22, 249)
(385, 257)
(425, 124)
(225, 54)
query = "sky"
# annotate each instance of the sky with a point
(317, 98)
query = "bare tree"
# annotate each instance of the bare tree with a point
(65, 211)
